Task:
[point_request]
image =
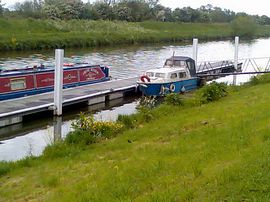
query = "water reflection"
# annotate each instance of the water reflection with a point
(33, 142)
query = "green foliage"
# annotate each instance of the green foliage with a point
(87, 130)
(128, 121)
(244, 26)
(174, 99)
(259, 79)
(34, 34)
(59, 150)
(145, 106)
(213, 91)
(5, 168)
(63, 9)
(214, 152)
(126, 10)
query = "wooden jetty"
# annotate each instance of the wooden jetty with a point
(13, 111)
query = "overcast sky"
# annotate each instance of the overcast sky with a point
(259, 7)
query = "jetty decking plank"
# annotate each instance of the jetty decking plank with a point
(84, 92)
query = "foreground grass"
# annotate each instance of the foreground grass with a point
(29, 34)
(213, 152)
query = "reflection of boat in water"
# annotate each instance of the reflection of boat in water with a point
(39, 79)
(177, 75)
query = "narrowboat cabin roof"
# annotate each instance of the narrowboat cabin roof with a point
(42, 68)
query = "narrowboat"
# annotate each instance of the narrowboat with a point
(40, 79)
(177, 75)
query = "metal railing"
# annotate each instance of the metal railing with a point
(254, 65)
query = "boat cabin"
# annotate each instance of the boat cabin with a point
(182, 62)
(167, 74)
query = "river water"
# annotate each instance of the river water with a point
(31, 137)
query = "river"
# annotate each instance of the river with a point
(31, 137)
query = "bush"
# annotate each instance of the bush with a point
(87, 130)
(244, 26)
(213, 92)
(174, 99)
(260, 79)
(146, 104)
(4, 168)
(127, 120)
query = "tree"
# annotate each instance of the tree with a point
(104, 11)
(1, 8)
(63, 9)
(29, 8)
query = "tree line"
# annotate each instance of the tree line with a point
(123, 10)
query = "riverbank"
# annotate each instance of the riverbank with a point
(30, 34)
(209, 152)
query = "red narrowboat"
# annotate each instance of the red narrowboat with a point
(39, 79)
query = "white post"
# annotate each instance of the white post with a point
(58, 81)
(195, 51)
(236, 45)
(57, 126)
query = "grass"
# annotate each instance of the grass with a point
(212, 152)
(30, 34)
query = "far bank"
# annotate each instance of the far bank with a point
(31, 34)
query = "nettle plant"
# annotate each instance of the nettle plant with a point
(213, 92)
(145, 106)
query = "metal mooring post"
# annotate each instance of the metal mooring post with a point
(236, 45)
(58, 81)
(195, 51)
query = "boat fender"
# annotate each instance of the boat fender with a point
(183, 89)
(162, 90)
(172, 87)
(145, 78)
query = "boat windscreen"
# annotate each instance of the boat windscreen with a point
(150, 74)
(160, 75)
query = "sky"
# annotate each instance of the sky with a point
(259, 7)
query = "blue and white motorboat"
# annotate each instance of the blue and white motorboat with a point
(176, 76)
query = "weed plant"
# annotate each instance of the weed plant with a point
(213, 92)
(175, 99)
(86, 130)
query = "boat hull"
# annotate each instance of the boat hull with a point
(159, 89)
(23, 83)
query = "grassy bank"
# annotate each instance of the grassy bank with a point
(29, 34)
(211, 152)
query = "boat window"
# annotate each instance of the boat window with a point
(150, 74)
(169, 63)
(18, 84)
(160, 75)
(182, 75)
(173, 75)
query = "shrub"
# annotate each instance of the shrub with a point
(4, 168)
(146, 104)
(87, 130)
(244, 26)
(260, 79)
(174, 99)
(213, 92)
(127, 120)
